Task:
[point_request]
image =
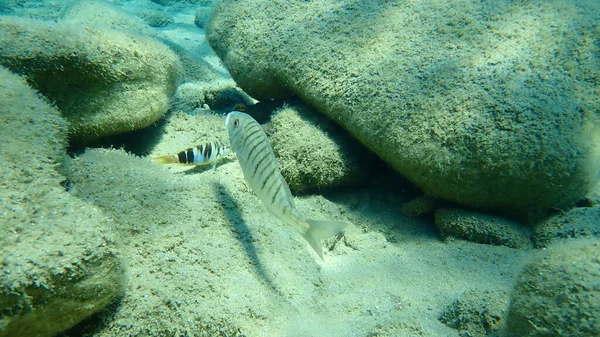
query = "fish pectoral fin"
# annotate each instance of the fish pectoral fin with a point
(322, 229)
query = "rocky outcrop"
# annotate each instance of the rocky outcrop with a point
(481, 228)
(313, 153)
(104, 81)
(488, 104)
(477, 313)
(576, 223)
(557, 293)
(59, 259)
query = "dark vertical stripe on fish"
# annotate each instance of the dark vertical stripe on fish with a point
(275, 194)
(190, 156)
(247, 138)
(207, 150)
(268, 177)
(270, 187)
(249, 141)
(262, 159)
(181, 157)
(249, 157)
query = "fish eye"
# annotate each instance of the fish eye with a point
(236, 122)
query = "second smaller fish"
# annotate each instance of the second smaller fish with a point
(206, 154)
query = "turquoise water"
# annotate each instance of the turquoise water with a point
(458, 141)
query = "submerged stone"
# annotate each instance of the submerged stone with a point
(313, 153)
(557, 293)
(104, 82)
(58, 255)
(576, 223)
(481, 228)
(489, 104)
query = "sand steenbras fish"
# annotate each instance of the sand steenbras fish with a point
(260, 168)
(205, 154)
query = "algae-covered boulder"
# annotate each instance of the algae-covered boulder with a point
(491, 104)
(593, 199)
(102, 15)
(103, 81)
(58, 255)
(576, 223)
(156, 18)
(481, 228)
(189, 2)
(312, 152)
(418, 206)
(202, 16)
(477, 313)
(215, 95)
(557, 293)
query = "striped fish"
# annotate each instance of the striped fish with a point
(205, 154)
(255, 155)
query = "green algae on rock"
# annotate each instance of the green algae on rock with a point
(312, 152)
(593, 199)
(475, 102)
(59, 259)
(418, 206)
(576, 223)
(202, 16)
(477, 313)
(103, 15)
(156, 18)
(481, 228)
(104, 82)
(557, 293)
(220, 95)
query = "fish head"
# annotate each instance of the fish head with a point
(230, 119)
(235, 123)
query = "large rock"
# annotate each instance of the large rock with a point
(490, 104)
(102, 15)
(481, 228)
(477, 313)
(557, 293)
(313, 153)
(58, 255)
(576, 223)
(103, 81)
(219, 95)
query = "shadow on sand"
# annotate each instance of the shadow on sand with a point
(244, 234)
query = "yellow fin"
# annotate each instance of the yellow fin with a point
(167, 159)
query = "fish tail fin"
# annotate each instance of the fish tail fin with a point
(167, 159)
(322, 229)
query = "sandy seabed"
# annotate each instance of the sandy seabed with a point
(204, 257)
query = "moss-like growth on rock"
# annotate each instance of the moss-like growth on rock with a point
(103, 81)
(557, 293)
(312, 152)
(490, 104)
(58, 255)
(576, 223)
(103, 15)
(593, 199)
(202, 16)
(418, 206)
(191, 2)
(156, 18)
(482, 228)
(219, 95)
(477, 314)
